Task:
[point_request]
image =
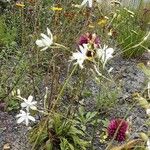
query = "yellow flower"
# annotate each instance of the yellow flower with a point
(110, 33)
(56, 8)
(103, 22)
(20, 5)
(91, 26)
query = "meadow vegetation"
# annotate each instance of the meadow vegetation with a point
(51, 51)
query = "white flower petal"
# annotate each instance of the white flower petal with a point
(46, 39)
(106, 54)
(148, 144)
(33, 107)
(148, 111)
(18, 92)
(48, 31)
(77, 55)
(30, 98)
(99, 53)
(43, 49)
(40, 43)
(31, 118)
(50, 34)
(80, 56)
(34, 102)
(24, 104)
(27, 104)
(46, 42)
(22, 112)
(90, 3)
(84, 49)
(148, 88)
(19, 115)
(81, 63)
(27, 121)
(84, 2)
(109, 52)
(20, 120)
(110, 69)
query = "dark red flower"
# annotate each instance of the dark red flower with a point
(89, 38)
(118, 128)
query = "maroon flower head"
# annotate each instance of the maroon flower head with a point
(118, 128)
(89, 38)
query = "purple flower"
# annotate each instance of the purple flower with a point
(91, 39)
(118, 128)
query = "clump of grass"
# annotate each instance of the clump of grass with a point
(130, 33)
(62, 132)
(107, 98)
(8, 35)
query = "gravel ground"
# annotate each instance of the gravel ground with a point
(12, 134)
(131, 80)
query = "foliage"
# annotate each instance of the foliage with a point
(24, 66)
(106, 98)
(8, 35)
(63, 133)
(130, 33)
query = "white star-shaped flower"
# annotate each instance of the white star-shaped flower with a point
(148, 88)
(105, 54)
(89, 3)
(148, 111)
(46, 41)
(28, 103)
(24, 117)
(80, 56)
(148, 144)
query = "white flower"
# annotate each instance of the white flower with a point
(5, 1)
(46, 41)
(28, 103)
(105, 54)
(80, 56)
(148, 88)
(18, 92)
(89, 2)
(148, 111)
(24, 117)
(148, 144)
(110, 69)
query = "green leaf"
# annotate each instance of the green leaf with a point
(65, 145)
(49, 145)
(75, 131)
(90, 115)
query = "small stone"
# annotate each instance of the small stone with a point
(6, 146)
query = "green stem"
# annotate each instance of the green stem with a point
(60, 93)
(58, 97)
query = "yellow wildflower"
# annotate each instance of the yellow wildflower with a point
(103, 22)
(91, 26)
(56, 8)
(20, 5)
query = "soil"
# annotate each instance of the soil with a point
(11, 133)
